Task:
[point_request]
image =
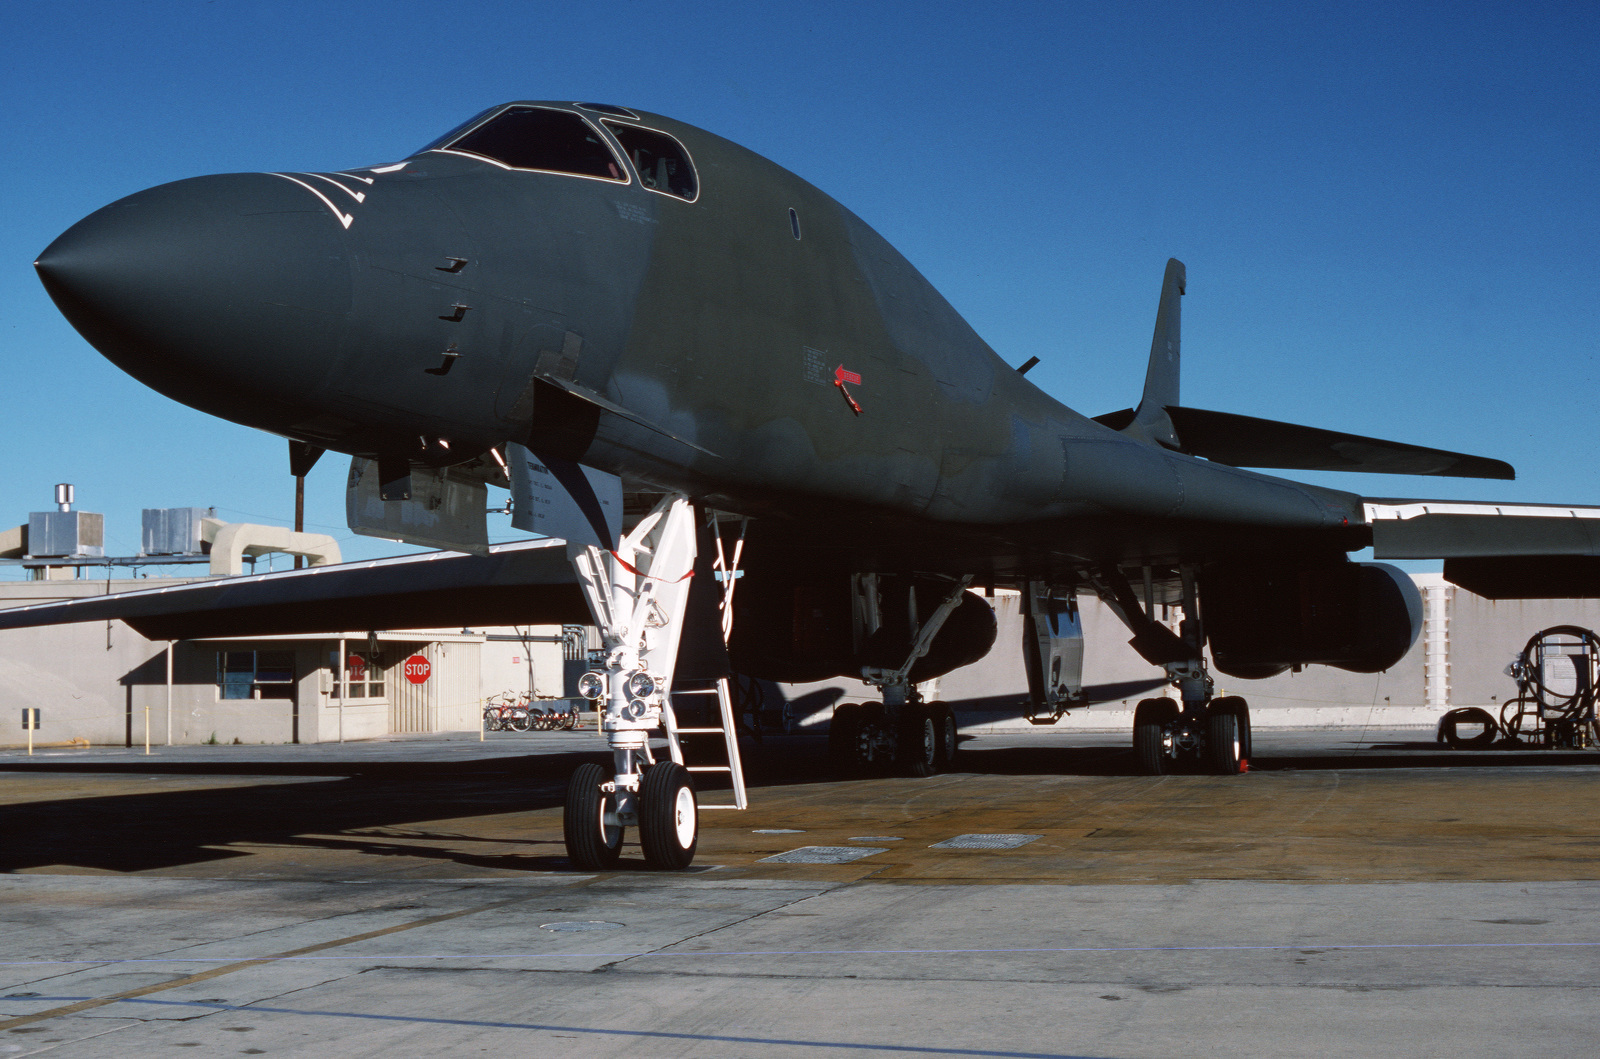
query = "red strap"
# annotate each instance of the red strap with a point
(640, 573)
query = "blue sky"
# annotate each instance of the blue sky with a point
(1388, 211)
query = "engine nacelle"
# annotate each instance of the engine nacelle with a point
(796, 630)
(1262, 618)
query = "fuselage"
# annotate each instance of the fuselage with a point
(775, 353)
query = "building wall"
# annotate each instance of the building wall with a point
(103, 683)
(506, 664)
(90, 681)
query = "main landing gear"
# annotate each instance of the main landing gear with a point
(1197, 728)
(902, 733)
(1216, 735)
(863, 739)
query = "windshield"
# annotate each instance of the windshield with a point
(551, 141)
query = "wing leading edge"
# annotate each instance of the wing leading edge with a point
(1498, 551)
(515, 584)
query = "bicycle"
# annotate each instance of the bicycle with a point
(506, 713)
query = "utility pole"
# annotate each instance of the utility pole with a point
(302, 457)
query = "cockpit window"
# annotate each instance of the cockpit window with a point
(434, 145)
(607, 108)
(661, 162)
(552, 141)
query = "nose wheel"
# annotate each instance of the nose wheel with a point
(669, 821)
(589, 823)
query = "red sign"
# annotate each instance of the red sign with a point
(356, 666)
(417, 669)
(840, 374)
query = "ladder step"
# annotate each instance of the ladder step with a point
(728, 730)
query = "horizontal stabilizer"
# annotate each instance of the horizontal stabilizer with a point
(529, 582)
(1245, 441)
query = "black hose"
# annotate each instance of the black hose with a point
(1533, 677)
(1469, 715)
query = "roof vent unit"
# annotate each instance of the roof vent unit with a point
(173, 530)
(65, 533)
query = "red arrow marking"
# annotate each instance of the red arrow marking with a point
(841, 375)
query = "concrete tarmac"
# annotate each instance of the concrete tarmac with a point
(1355, 894)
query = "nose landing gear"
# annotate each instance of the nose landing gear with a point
(639, 595)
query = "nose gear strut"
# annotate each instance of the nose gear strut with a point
(639, 596)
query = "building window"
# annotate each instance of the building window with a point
(255, 674)
(364, 674)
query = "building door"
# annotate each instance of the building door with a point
(409, 702)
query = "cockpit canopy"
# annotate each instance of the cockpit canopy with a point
(547, 140)
(551, 141)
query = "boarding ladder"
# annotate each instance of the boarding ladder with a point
(729, 730)
(726, 571)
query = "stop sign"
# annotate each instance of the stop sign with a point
(417, 669)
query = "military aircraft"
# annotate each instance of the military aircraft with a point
(752, 435)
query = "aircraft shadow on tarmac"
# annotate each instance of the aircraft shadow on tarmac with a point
(384, 808)
(365, 809)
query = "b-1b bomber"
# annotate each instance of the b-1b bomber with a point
(744, 435)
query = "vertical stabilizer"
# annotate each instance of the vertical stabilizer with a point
(1161, 378)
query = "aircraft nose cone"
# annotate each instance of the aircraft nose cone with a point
(228, 293)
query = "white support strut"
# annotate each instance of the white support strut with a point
(639, 595)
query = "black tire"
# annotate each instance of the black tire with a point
(868, 744)
(669, 819)
(1224, 752)
(944, 721)
(1150, 718)
(1241, 711)
(520, 720)
(844, 732)
(917, 740)
(591, 845)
